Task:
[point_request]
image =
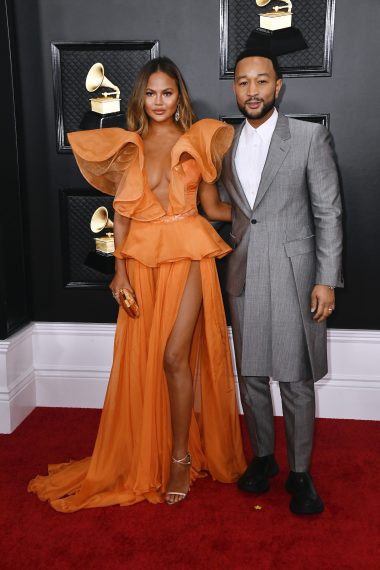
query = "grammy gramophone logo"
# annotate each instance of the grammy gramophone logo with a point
(109, 101)
(100, 220)
(278, 18)
(276, 32)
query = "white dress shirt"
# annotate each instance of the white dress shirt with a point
(251, 154)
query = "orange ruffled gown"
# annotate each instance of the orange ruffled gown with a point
(131, 458)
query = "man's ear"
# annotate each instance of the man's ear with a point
(278, 87)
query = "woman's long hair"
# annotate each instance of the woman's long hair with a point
(137, 119)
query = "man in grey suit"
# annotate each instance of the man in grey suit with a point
(282, 181)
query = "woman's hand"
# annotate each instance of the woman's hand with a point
(120, 281)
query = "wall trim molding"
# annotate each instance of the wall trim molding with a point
(88, 329)
(13, 341)
(17, 379)
(353, 335)
(68, 364)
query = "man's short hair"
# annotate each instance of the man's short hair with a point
(252, 52)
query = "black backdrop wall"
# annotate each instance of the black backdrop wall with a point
(14, 308)
(188, 31)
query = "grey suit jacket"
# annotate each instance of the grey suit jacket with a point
(289, 241)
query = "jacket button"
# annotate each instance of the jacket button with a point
(253, 221)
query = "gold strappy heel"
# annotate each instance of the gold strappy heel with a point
(184, 461)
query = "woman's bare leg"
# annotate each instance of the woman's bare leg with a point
(179, 378)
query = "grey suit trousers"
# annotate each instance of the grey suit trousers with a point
(298, 403)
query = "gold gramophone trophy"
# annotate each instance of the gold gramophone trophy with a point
(100, 220)
(109, 101)
(105, 109)
(276, 32)
(277, 19)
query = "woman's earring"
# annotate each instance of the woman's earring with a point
(176, 116)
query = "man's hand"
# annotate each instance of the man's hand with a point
(322, 302)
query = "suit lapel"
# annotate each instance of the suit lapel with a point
(278, 149)
(236, 188)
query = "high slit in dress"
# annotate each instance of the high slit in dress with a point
(132, 454)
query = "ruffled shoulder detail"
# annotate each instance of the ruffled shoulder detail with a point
(107, 157)
(207, 141)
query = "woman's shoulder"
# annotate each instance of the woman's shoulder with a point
(208, 125)
(107, 134)
(207, 141)
(207, 134)
(102, 142)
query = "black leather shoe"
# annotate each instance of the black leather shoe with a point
(305, 499)
(256, 477)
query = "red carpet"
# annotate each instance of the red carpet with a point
(216, 527)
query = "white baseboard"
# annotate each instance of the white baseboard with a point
(76, 388)
(17, 384)
(68, 364)
(351, 390)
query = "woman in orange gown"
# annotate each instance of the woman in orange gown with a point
(170, 411)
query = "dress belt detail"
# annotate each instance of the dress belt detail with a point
(176, 217)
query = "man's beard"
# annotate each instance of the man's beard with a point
(253, 114)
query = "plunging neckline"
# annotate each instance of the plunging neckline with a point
(144, 172)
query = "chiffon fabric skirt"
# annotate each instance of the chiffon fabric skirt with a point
(132, 454)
